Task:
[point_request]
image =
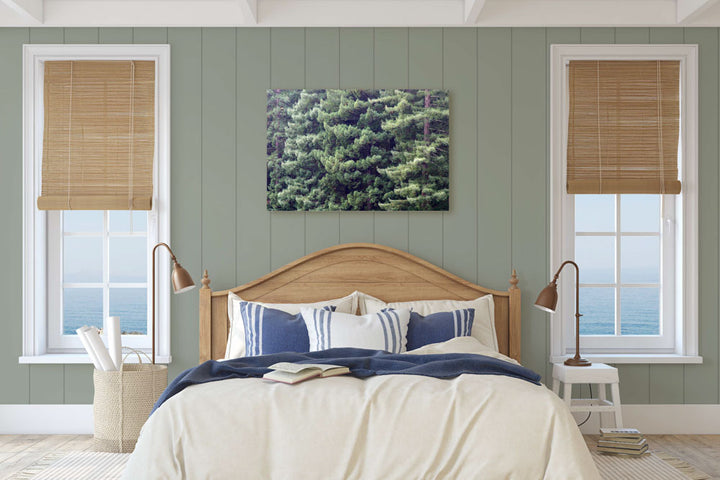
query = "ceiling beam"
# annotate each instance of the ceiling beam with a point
(688, 10)
(472, 11)
(249, 10)
(31, 10)
(353, 13)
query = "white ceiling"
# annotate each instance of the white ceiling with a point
(345, 13)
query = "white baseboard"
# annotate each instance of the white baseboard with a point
(650, 419)
(46, 419)
(662, 419)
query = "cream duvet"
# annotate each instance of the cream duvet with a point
(383, 427)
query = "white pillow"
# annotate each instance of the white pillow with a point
(483, 326)
(460, 345)
(236, 337)
(377, 331)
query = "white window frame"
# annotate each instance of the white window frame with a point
(680, 222)
(663, 343)
(35, 222)
(57, 342)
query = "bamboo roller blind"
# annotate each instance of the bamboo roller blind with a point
(99, 135)
(623, 129)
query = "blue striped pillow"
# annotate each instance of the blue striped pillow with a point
(273, 331)
(439, 327)
(377, 331)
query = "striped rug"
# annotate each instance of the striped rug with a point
(110, 466)
(651, 466)
(76, 466)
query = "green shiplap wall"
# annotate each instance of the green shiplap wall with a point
(498, 79)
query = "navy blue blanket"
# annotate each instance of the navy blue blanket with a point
(362, 363)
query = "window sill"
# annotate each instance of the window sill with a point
(646, 358)
(79, 358)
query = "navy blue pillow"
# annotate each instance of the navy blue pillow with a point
(268, 330)
(439, 327)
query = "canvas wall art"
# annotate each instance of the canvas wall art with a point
(361, 150)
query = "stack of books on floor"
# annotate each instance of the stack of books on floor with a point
(623, 441)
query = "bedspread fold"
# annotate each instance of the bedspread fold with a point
(362, 363)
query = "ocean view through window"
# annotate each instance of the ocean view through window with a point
(104, 270)
(617, 244)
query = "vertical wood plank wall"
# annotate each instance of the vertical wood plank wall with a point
(498, 81)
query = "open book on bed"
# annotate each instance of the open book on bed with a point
(292, 373)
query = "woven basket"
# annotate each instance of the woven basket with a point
(123, 401)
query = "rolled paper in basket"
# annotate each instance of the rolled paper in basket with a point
(113, 329)
(88, 348)
(96, 343)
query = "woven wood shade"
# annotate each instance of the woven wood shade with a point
(99, 135)
(623, 129)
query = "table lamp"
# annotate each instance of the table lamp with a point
(181, 282)
(547, 301)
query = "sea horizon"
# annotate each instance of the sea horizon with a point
(85, 308)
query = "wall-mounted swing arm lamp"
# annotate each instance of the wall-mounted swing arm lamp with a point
(181, 282)
(547, 301)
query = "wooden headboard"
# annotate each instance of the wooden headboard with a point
(383, 272)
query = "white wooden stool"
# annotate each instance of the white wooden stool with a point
(598, 374)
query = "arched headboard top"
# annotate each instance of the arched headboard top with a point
(383, 272)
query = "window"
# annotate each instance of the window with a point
(82, 266)
(98, 267)
(637, 252)
(621, 242)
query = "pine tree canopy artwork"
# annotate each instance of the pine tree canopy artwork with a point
(357, 150)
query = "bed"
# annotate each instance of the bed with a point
(389, 426)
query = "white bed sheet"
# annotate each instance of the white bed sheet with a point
(384, 427)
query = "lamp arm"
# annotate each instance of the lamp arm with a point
(163, 244)
(153, 291)
(557, 274)
(576, 360)
(577, 283)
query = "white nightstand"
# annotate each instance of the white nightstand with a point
(598, 374)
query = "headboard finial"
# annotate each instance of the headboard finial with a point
(514, 280)
(205, 280)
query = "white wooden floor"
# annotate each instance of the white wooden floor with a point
(19, 451)
(700, 451)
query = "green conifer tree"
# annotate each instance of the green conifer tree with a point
(419, 120)
(279, 104)
(300, 162)
(356, 148)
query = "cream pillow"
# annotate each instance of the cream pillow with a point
(236, 337)
(377, 331)
(460, 345)
(483, 326)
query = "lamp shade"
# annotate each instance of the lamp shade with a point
(181, 279)
(547, 300)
